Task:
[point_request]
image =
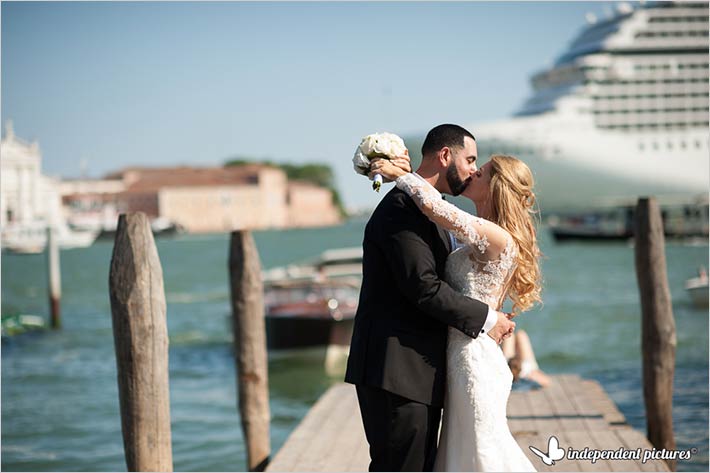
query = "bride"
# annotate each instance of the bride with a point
(497, 257)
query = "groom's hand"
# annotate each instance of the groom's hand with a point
(503, 328)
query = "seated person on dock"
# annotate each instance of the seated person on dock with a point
(521, 359)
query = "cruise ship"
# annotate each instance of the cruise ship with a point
(623, 112)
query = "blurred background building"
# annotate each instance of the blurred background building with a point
(191, 199)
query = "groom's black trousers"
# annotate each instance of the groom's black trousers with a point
(402, 433)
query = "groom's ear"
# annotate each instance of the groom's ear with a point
(444, 155)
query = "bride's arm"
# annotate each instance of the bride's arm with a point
(467, 228)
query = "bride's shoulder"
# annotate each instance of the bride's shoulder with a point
(498, 238)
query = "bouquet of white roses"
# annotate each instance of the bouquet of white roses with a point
(377, 145)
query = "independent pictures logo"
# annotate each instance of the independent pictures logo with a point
(556, 453)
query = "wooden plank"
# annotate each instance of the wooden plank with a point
(573, 387)
(306, 432)
(543, 414)
(327, 426)
(360, 460)
(567, 441)
(354, 457)
(331, 436)
(606, 440)
(539, 442)
(633, 439)
(578, 440)
(559, 400)
(338, 431)
(563, 407)
(518, 412)
(602, 402)
(592, 419)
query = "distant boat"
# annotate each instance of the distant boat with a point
(20, 323)
(697, 288)
(160, 226)
(301, 313)
(31, 237)
(685, 222)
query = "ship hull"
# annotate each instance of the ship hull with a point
(577, 166)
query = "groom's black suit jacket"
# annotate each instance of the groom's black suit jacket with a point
(400, 332)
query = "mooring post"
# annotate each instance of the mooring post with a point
(250, 347)
(658, 335)
(140, 335)
(55, 279)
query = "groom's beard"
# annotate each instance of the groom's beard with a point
(456, 184)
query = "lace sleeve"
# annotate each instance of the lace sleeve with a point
(467, 228)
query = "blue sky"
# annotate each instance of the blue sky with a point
(118, 84)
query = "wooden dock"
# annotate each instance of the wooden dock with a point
(577, 411)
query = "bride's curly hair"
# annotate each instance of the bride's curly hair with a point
(513, 206)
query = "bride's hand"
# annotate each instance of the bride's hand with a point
(390, 169)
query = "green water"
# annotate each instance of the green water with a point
(59, 393)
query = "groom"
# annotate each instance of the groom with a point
(398, 351)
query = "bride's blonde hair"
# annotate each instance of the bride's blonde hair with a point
(513, 207)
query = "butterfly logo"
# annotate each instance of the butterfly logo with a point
(554, 452)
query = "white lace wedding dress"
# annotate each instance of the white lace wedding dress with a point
(474, 432)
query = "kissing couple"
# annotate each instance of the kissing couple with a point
(429, 321)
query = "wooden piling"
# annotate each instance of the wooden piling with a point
(658, 335)
(140, 334)
(250, 347)
(55, 279)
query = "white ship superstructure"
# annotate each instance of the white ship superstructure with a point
(622, 113)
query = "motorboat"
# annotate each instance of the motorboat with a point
(313, 303)
(304, 313)
(339, 263)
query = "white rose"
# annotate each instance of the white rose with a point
(392, 145)
(368, 144)
(378, 144)
(386, 145)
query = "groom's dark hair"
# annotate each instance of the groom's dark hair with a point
(444, 135)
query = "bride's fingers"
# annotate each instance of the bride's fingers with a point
(401, 163)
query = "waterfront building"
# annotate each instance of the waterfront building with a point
(91, 203)
(220, 199)
(21, 183)
(310, 205)
(29, 201)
